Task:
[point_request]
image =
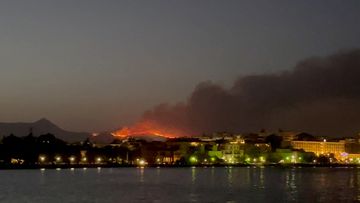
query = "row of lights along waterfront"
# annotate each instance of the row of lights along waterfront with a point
(72, 159)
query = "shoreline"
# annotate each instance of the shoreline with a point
(94, 166)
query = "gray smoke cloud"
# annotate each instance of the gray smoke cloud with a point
(320, 96)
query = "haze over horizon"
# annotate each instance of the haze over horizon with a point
(93, 66)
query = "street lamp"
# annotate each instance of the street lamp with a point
(142, 162)
(193, 159)
(42, 158)
(58, 159)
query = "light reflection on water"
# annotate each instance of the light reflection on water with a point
(357, 185)
(193, 175)
(261, 178)
(193, 196)
(197, 184)
(141, 176)
(291, 184)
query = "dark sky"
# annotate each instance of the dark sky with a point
(94, 65)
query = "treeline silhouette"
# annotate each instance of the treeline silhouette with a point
(47, 149)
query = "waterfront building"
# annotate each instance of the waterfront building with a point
(354, 158)
(321, 147)
(232, 151)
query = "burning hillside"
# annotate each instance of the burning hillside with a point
(320, 95)
(148, 128)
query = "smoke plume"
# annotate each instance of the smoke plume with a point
(320, 95)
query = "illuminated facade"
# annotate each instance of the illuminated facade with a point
(233, 151)
(321, 147)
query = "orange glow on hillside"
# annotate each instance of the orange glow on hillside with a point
(147, 128)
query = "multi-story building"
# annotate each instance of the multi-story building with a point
(233, 151)
(321, 147)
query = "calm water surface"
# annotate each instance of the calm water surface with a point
(181, 185)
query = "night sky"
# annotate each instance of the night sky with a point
(97, 65)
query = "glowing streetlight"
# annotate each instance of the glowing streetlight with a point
(193, 159)
(72, 159)
(142, 162)
(262, 159)
(42, 158)
(58, 158)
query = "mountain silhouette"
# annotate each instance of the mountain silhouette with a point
(40, 127)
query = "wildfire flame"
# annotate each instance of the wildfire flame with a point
(147, 128)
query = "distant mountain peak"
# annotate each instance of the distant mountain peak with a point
(43, 120)
(42, 126)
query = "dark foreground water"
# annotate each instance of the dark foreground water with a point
(181, 185)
